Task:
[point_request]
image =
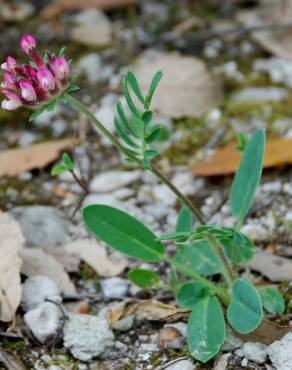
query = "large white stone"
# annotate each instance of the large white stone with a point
(280, 353)
(44, 321)
(87, 336)
(37, 289)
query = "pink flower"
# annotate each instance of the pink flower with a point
(60, 67)
(37, 83)
(8, 82)
(27, 91)
(13, 101)
(46, 79)
(28, 43)
(9, 64)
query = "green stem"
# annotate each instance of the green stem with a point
(221, 293)
(197, 214)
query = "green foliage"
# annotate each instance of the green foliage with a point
(190, 293)
(122, 232)
(137, 130)
(200, 257)
(238, 248)
(206, 328)
(184, 221)
(144, 278)
(248, 176)
(245, 312)
(273, 300)
(242, 140)
(66, 164)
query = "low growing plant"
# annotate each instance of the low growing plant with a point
(202, 250)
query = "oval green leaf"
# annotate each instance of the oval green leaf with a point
(184, 221)
(248, 176)
(273, 300)
(143, 278)
(206, 329)
(190, 293)
(122, 232)
(245, 312)
(200, 257)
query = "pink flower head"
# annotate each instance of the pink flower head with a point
(60, 67)
(46, 79)
(34, 84)
(12, 102)
(28, 43)
(27, 91)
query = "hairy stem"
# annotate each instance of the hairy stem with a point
(228, 275)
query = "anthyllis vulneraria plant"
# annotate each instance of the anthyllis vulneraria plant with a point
(202, 251)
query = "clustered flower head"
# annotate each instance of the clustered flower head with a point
(34, 84)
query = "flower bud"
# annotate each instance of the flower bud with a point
(28, 43)
(9, 64)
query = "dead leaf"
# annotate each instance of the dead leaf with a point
(62, 5)
(11, 243)
(225, 161)
(15, 161)
(276, 41)
(150, 310)
(273, 267)
(10, 360)
(187, 89)
(267, 332)
(38, 262)
(70, 261)
(95, 255)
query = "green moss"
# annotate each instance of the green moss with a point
(86, 272)
(14, 345)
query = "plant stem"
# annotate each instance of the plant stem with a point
(228, 274)
(222, 294)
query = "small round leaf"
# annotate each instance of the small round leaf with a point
(245, 312)
(273, 300)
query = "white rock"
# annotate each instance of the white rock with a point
(231, 341)
(93, 28)
(90, 66)
(272, 187)
(113, 180)
(108, 199)
(164, 195)
(256, 352)
(42, 225)
(280, 70)
(260, 94)
(255, 232)
(222, 362)
(87, 336)
(44, 321)
(37, 289)
(280, 353)
(114, 287)
(182, 365)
